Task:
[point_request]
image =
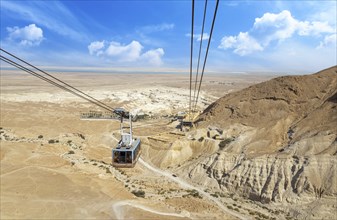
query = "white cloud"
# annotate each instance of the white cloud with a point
(273, 27)
(30, 35)
(156, 28)
(154, 56)
(329, 41)
(242, 44)
(198, 36)
(95, 47)
(314, 28)
(130, 53)
(53, 15)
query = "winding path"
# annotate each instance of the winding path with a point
(120, 215)
(184, 184)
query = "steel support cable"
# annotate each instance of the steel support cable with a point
(201, 37)
(209, 42)
(13, 63)
(191, 62)
(111, 109)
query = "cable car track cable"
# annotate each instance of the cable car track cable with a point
(19, 66)
(200, 47)
(191, 59)
(209, 42)
(101, 103)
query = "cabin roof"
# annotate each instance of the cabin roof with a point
(133, 146)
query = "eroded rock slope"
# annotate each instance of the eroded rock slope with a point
(277, 140)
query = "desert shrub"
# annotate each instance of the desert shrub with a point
(194, 193)
(229, 207)
(276, 212)
(51, 141)
(214, 195)
(72, 163)
(95, 164)
(201, 139)
(71, 152)
(107, 170)
(225, 142)
(40, 136)
(138, 193)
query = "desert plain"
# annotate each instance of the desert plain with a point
(56, 166)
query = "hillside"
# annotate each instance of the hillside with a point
(299, 103)
(276, 143)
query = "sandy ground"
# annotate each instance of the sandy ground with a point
(54, 165)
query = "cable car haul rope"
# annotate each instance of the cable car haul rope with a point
(127, 150)
(193, 101)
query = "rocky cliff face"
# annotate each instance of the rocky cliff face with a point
(277, 141)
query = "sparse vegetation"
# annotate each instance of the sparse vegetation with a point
(194, 193)
(51, 141)
(225, 142)
(107, 170)
(71, 152)
(138, 193)
(214, 195)
(40, 136)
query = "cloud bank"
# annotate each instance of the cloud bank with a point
(126, 53)
(272, 28)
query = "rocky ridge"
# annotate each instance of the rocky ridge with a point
(277, 143)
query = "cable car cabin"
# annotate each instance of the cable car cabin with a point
(127, 152)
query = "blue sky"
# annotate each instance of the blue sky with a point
(278, 36)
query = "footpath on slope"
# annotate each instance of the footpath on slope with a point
(184, 184)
